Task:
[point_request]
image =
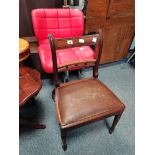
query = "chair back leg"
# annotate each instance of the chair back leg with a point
(66, 77)
(116, 119)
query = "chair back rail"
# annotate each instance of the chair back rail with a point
(77, 64)
(86, 40)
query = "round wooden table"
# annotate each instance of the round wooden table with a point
(24, 51)
(29, 82)
(29, 86)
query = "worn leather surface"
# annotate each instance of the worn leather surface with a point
(61, 23)
(85, 100)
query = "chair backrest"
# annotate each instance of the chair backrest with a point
(61, 23)
(62, 43)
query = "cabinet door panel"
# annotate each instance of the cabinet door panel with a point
(116, 42)
(121, 8)
(93, 23)
(97, 8)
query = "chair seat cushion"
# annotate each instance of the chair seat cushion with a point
(64, 56)
(84, 101)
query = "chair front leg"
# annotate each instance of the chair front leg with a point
(63, 137)
(116, 119)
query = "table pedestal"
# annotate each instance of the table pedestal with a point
(29, 86)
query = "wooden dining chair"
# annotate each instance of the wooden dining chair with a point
(86, 100)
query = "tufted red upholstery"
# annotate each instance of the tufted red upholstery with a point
(63, 56)
(61, 23)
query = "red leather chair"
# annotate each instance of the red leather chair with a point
(61, 23)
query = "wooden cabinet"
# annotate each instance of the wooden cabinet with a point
(116, 18)
(117, 40)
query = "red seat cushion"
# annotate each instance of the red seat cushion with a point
(64, 56)
(61, 23)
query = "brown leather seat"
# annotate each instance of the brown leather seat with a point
(85, 100)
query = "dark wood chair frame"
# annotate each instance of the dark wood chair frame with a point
(61, 44)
